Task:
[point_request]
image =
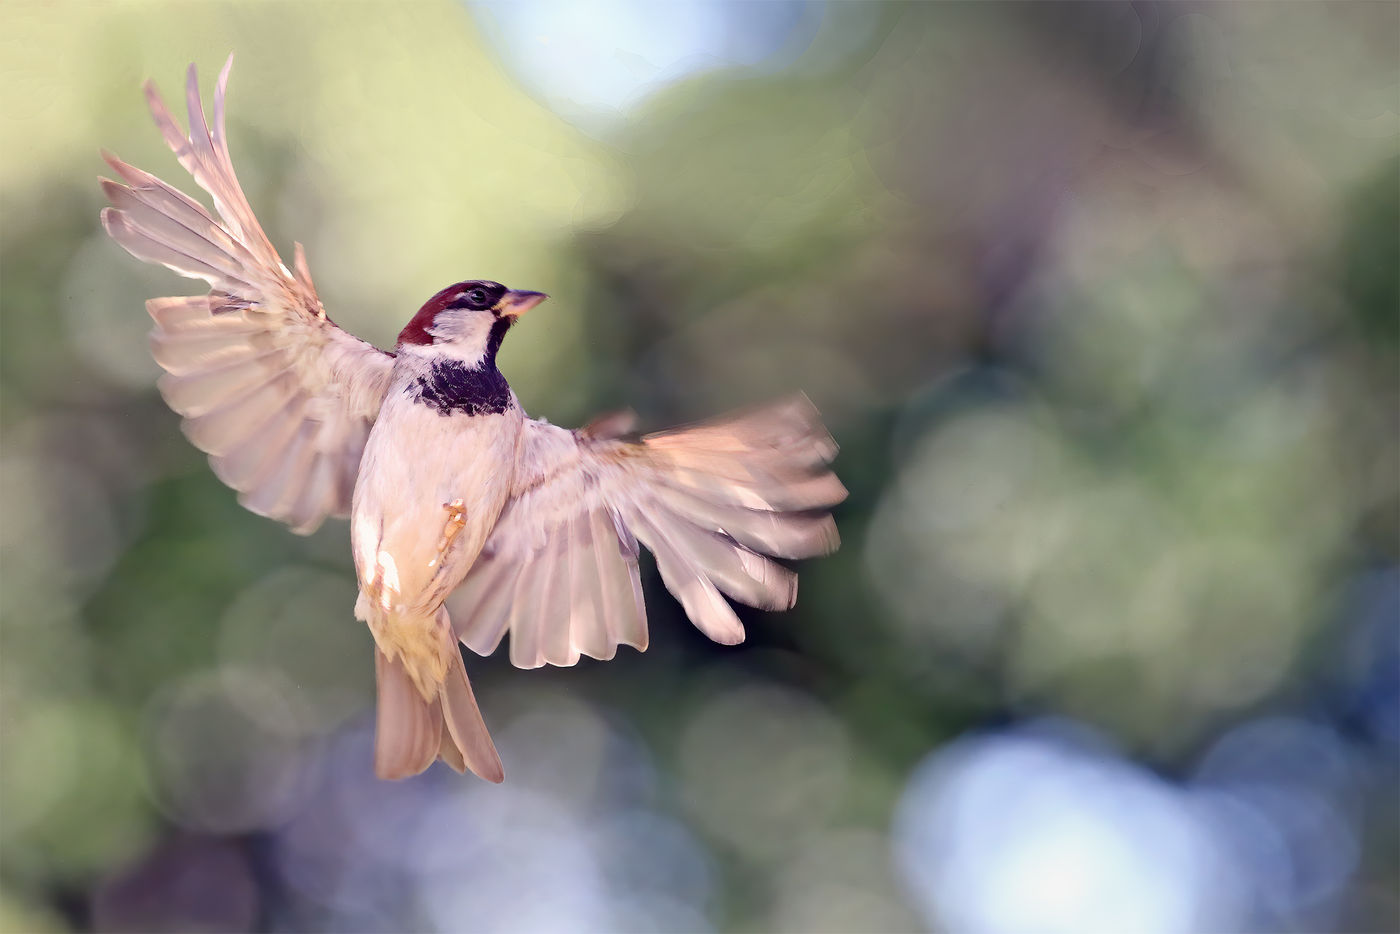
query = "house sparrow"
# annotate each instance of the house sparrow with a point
(449, 486)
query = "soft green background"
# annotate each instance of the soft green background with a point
(1100, 303)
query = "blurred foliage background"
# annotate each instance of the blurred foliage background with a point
(1100, 301)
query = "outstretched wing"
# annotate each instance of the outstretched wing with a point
(280, 398)
(710, 501)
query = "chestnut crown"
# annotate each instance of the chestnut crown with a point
(464, 310)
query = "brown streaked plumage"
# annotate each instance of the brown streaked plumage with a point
(456, 498)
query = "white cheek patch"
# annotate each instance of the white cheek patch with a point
(463, 335)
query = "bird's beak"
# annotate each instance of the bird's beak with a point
(515, 304)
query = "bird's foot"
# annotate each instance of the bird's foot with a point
(456, 518)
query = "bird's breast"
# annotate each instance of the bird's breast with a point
(429, 492)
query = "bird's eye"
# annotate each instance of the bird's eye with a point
(477, 298)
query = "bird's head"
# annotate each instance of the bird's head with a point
(468, 320)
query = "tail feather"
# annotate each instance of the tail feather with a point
(412, 732)
(448, 751)
(408, 729)
(464, 725)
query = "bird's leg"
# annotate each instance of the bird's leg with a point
(456, 518)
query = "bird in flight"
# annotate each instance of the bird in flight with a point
(451, 489)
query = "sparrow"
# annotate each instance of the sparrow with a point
(450, 488)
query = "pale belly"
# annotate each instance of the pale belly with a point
(429, 492)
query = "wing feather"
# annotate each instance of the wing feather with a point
(615, 548)
(279, 397)
(279, 493)
(173, 253)
(710, 501)
(220, 430)
(687, 581)
(480, 607)
(251, 464)
(180, 223)
(556, 641)
(540, 596)
(200, 392)
(783, 535)
(588, 592)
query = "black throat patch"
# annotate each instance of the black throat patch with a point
(450, 387)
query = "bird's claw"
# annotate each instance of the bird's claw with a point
(456, 518)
